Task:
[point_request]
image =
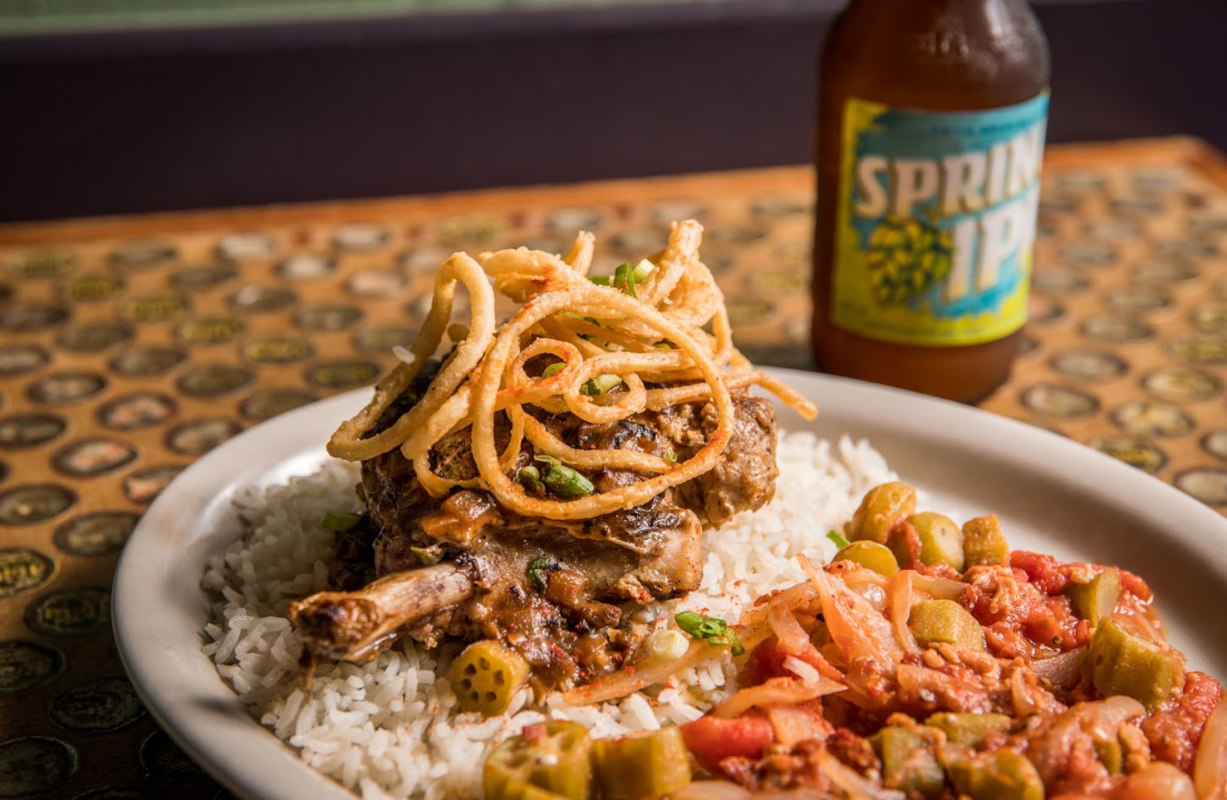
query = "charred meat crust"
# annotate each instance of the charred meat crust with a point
(567, 621)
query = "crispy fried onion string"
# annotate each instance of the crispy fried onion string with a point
(652, 344)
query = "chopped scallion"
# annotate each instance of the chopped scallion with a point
(642, 270)
(713, 630)
(668, 645)
(340, 520)
(838, 539)
(563, 480)
(538, 572)
(530, 478)
(553, 369)
(428, 555)
(627, 275)
(600, 384)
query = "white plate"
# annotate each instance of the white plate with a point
(1052, 495)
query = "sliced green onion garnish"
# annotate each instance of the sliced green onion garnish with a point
(624, 279)
(668, 645)
(713, 630)
(838, 539)
(428, 555)
(340, 520)
(530, 478)
(643, 269)
(553, 369)
(627, 275)
(563, 480)
(600, 384)
(538, 569)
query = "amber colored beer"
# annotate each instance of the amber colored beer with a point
(923, 55)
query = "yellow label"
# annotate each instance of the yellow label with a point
(937, 222)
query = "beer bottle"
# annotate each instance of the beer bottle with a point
(931, 125)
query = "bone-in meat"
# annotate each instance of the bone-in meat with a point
(556, 591)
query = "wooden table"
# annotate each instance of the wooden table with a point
(131, 346)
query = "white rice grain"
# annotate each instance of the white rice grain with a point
(389, 729)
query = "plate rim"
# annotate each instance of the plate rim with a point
(278, 441)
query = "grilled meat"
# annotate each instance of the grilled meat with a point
(554, 590)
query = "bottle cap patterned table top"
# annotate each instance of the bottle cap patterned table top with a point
(131, 346)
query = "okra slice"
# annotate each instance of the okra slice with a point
(945, 621)
(1122, 662)
(545, 761)
(941, 539)
(879, 510)
(968, 729)
(984, 542)
(485, 677)
(909, 760)
(642, 766)
(870, 555)
(1096, 599)
(1000, 775)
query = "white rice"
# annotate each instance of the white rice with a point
(390, 728)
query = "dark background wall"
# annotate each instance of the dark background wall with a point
(130, 122)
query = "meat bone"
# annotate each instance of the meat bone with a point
(356, 626)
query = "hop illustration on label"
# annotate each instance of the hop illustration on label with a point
(906, 258)
(935, 222)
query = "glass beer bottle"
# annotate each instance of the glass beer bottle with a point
(931, 125)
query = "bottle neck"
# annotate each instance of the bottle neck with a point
(937, 54)
(993, 16)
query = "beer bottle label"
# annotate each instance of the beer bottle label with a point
(936, 222)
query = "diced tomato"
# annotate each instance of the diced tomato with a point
(939, 570)
(764, 662)
(712, 739)
(1135, 585)
(1044, 571)
(1174, 732)
(905, 543)
(802, 722)
(1052, 576)
(1054, 624)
